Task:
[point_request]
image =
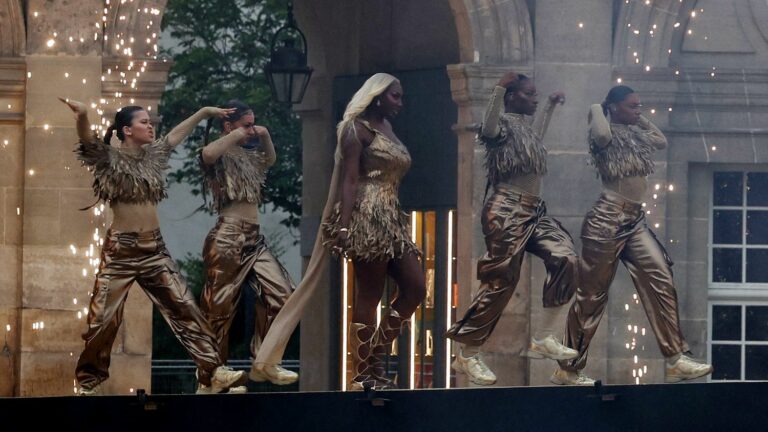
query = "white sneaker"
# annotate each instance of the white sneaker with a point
(273, 373)
(478, 372)
(204, 389)
(550, 348)
(686, 368)
(224, 378)
(564, 377)
(95, 390)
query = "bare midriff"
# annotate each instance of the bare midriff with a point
(241, 209)
(631, 188)
(528, 183)
(134, 217)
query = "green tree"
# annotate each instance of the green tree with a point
(220, 52)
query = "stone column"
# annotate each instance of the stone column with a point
(12, 83)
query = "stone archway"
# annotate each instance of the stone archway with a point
(11, 28)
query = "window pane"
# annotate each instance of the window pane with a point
(756, 362)
(726, 265)
(757, 227)
(757, 323)
(727, 227)
(757, 189)
(728, 188)
(757, 265)
(726, 360)
(726, 323)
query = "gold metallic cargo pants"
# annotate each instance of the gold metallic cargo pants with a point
(236, 255)
(515, 223)
(615, 229)
(128, 257)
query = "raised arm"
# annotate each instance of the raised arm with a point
(266, 145)
(490, 128)
(183, 129)
(599, 128)
(653, 134)
(84, 131)
(213, 151)
(541, 122)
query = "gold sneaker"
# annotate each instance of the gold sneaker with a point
(475, 368)
(95, 390)
(550, 348)
(224, 378)
(204, 389)
(564, 377)
(273, 373)
(686, 368)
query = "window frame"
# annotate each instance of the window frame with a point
(730, 290)
(741, 343)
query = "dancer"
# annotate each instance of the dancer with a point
(362, 219)
(368, 226)
(515, 221)
(615, 229)
(235, 252)
(130, 178)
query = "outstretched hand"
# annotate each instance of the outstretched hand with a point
(217, 112)
(77, 107)
(557, 97)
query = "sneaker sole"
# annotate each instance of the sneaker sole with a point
(259, 377)
(539, 355)
(678, 378)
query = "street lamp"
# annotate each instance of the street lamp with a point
(287, 71)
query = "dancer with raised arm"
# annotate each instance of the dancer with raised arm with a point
(235, 253)
(615, 230)
(515, 221)
(131, 179)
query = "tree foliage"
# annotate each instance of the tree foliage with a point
(221, 47)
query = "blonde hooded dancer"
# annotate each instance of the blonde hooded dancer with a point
(362, 219)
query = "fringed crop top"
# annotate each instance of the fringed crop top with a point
(238, 175)
(124, 176)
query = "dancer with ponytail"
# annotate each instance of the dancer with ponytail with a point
(362, 220)
(515, 221)
(615, 230)
(235, 253)
(131, 179)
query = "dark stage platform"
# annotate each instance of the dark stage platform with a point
(656, 408)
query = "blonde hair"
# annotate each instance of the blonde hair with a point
(373, 86)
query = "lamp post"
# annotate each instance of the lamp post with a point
(287, 71)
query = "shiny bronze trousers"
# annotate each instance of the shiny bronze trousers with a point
(514, 223)
(615, 230)
(128, 257)
(236, 255)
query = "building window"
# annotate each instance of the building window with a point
(739, 235)
(739, 341)
(738, 277)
